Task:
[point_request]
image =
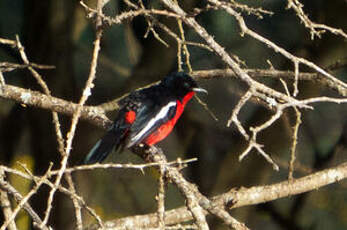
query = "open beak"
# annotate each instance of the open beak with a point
(200, 90)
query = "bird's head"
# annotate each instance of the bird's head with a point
(180, 84)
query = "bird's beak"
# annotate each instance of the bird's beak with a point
(200, 90)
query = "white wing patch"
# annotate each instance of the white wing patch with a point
(162, 113)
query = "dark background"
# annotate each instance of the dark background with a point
(56, 32)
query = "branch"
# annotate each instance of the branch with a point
(195, 201)
(272, 73)
(8, 66)
(296, 60)
(24, 200)
(28, 97)
(5, 186)
(72, 194)
(96, 114)
(61, 188)
(5, 204)
(316, 29)
(77, 113)
(189, 190)
(241, 197)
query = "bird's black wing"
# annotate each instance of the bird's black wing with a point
(114, 137)
(111, 140)
(149, 118)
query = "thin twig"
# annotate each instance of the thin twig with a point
(7, 66)
(2, 82)
(276, 74)
(296, 78)
(316, 29)
(194, 199)
(294, 143)
(234, 116)
(241, 197)
(153, 154)
(76, 115)
(5, 204)
(253, 141)
(183, 45)
(294, 136)
(161, 198)
(23, 201)
(56, 123)
(77, 206)
(261, 88)
(60, 188)
(28, 97)
(140, 167)
(205, 106)
(276, 48)
(150, 27)
(8, 42)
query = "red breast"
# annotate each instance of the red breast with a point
(164, 130)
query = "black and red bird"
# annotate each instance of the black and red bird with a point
(147, 115)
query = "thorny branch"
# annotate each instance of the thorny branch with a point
(257, 89)
(316, 29)
(25, 200)
(294, 59)
(240, 197)
(5, 186)
(161, 198)
(55, 120)
(75, 117)
(73, 195)
(6, 205)
(277, 74)
(198, 206)
(197, 203)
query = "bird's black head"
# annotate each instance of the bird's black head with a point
(180, 84)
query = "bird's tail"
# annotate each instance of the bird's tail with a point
(105, 146)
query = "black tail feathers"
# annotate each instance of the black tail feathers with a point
(104, 146)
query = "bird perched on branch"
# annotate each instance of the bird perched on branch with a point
(146, 116)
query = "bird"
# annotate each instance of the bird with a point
(146, 116)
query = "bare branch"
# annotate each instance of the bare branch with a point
(235, 114)
(5, 204)
(161, 198)
(78, 208)
(246, 30)
(62, 189)
(75, 117)
(196, 202)
(189, 190)
(8, 42)
(219, 50)
(316, 29)
(241, 197)
(23, 202)
(28, 97)
(140, 167)
(7, 66)
(272, 73)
